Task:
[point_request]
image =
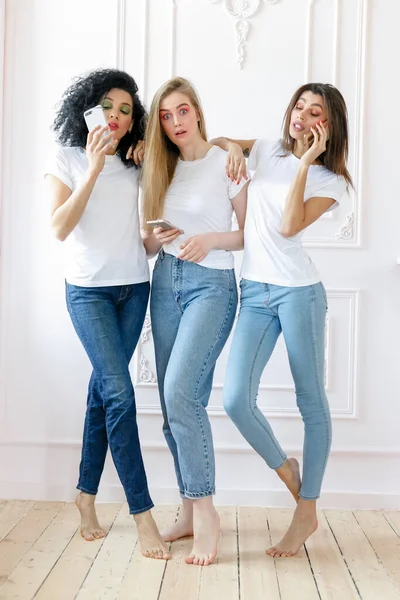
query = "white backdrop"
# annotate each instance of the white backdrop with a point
(246, 59)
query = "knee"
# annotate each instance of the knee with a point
(117, 392)
(234, 404)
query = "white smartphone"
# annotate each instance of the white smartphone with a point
(165, 225)
(94, 117)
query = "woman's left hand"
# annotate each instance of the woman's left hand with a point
(137, 153)
(196, 248)
(318, 144)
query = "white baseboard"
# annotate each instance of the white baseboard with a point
(225, 497)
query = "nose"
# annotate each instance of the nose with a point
(301, 118)
(177, 121)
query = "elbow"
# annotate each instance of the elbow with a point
(59, 234)
(241, 240)
(288, 230)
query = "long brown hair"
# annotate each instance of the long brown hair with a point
(337, 148)
(161, 154)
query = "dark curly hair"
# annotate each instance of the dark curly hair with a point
(87, 91)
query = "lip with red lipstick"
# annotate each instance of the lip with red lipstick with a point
(113, 126)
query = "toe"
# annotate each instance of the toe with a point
(189, 559)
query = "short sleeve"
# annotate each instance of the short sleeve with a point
(253, 158)
(58, 166)
(334, 188)
(234, 188)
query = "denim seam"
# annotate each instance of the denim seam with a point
(87, 421)
(277, 447)
(318, 386)
(205, 363)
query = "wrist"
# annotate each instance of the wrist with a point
(92, 173)
(213, 240)
(304, 166)
(231, 145)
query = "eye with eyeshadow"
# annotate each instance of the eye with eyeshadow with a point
(106, 104)
(126, 110)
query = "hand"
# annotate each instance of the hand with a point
(236, 163)
(318, 138)
(137, 153)
(97, 147)
(196, 248)
(167, 236)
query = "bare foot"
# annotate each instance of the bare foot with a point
(183, 526)
(90, 527)
(303, 524)
(151, 544)
(206, 533)
(289, 472)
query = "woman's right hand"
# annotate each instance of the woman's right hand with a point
(166, 236)
(236, 163)
(97, 147)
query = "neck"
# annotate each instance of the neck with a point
(299, 150)
(195, 150)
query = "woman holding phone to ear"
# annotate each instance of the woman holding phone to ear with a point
(296, 180)
(93, 188)
(193, 296)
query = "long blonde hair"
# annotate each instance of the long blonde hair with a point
(161, 154)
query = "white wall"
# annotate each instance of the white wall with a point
(44, 370)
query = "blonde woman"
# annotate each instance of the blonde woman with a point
(194, 295)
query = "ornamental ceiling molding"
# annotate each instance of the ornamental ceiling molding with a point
(242, 11)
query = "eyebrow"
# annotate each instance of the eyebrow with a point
(112, 100)
(179, 106)
(314, 103)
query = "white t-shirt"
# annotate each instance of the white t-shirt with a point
(199, 201)
(269, 257)
(105, 248)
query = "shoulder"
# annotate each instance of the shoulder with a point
(263, 149)
(327, 184)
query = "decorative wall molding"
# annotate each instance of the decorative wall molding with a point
(146, 379)
(146, 329)
(307, 49)
(145, 374)
(349, 235)
(146, 25)
(160, 446)
(346, 230)
(173, 39)
(242, 11)
(121, 26)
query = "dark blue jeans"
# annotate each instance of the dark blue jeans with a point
(108, 321)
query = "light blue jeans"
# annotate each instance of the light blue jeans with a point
(299, 313)
(192, 313)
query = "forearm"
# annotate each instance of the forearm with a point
(230, 240)
(66, 217)
(221, 142)
(150, 242)
(294, 212)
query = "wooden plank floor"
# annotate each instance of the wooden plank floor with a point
(353, 555)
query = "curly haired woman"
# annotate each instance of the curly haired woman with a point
(94, 211)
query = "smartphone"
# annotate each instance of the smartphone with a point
(165, 225)
(95, 116)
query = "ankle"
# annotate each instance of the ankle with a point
(143, 518)
(84, 498)
(306, 508)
